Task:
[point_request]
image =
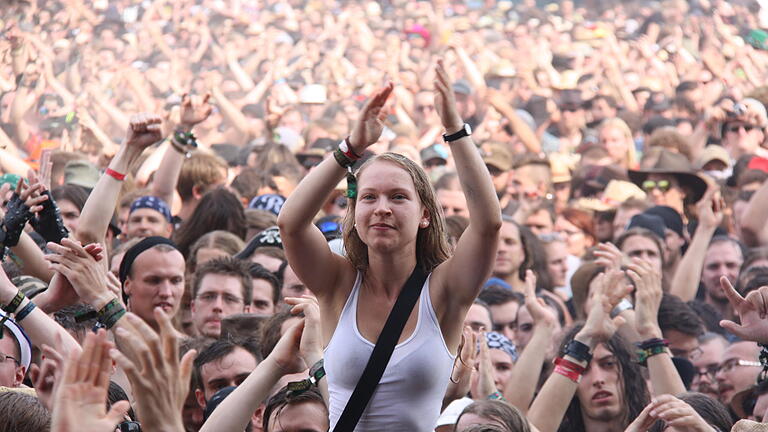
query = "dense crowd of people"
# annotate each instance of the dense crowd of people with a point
(290, 215)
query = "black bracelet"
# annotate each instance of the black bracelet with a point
(578, 350)
(652, 343)
(25, 311)
(14, 304)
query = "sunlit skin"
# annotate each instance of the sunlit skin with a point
(145, 222)
(262, 301)
(510, 254)
(738, 378)
(388, 210)
(673, 197)
(478, 318)
(208, 312)
(577, 240)
(156, 280)
(721, 259)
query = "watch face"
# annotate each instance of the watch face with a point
(343, 146)
(467, 129)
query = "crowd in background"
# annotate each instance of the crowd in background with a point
(625, 140)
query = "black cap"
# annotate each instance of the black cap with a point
(672, 219)
(215, 400)
(652, 223)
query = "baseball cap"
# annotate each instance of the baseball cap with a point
(652, 223)
(497, 155)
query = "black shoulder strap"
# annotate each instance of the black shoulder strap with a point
(382, 352)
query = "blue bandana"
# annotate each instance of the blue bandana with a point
(153, 203)
(269, 202)
(498, 341)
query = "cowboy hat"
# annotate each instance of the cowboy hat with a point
(676, 165)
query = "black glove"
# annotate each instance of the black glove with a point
(17, 215)
(48, 222)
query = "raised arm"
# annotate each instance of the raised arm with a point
(464, 273)
(550, 405)
(521, 385)
(754, 230)
(143, 131)
(194, 110)
(685, 282)
(299, 348)
(664, 376)
(519, 127)
(306, 248)
(41, 328)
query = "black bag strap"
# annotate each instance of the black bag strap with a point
(382, 352)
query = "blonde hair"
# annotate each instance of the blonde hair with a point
(431, 242)
(623, 127)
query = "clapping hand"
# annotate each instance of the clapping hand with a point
(370, 124)
(445, 100)
(609, 290)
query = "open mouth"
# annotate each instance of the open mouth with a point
(601, 396)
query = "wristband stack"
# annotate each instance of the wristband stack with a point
(763, 361)
(184, 142)
(316, 373)
(106, 317)
(571, 370)
(346, 157)
(12, 308)
(650, 348)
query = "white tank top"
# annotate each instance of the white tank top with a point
(410, 392)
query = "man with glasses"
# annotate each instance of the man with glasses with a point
(738, 370)
(14, 365)
(712, 346)
(220, 288)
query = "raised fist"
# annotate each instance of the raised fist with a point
(144, 130)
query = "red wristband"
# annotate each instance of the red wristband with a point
(568, 373)
(350, 153)
(114, 174)
(570, 365)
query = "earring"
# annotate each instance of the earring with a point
(424, 223)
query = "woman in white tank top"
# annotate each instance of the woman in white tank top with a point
(392, 225)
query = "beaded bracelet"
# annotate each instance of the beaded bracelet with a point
(316, 373)
(650, 348)
(496, 396)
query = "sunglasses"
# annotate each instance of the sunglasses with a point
(735, 128)
(662, 185)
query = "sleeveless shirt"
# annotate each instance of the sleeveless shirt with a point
(410, 393)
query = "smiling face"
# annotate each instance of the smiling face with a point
(388, 211)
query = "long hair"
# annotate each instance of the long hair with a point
(431, 242)
(222, 240)
(219, 209)
(632, 385)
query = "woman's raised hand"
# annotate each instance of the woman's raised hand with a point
(370, 124)
(445, 100)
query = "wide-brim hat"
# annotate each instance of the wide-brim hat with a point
(749, 426)
(676, 165)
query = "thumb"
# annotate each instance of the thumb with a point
(735, 329)
(118, 412)
(619, 321)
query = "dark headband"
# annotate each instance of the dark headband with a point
(138, 249)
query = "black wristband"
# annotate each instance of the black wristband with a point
(578, 350)
(25, 311)
(48, 222)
